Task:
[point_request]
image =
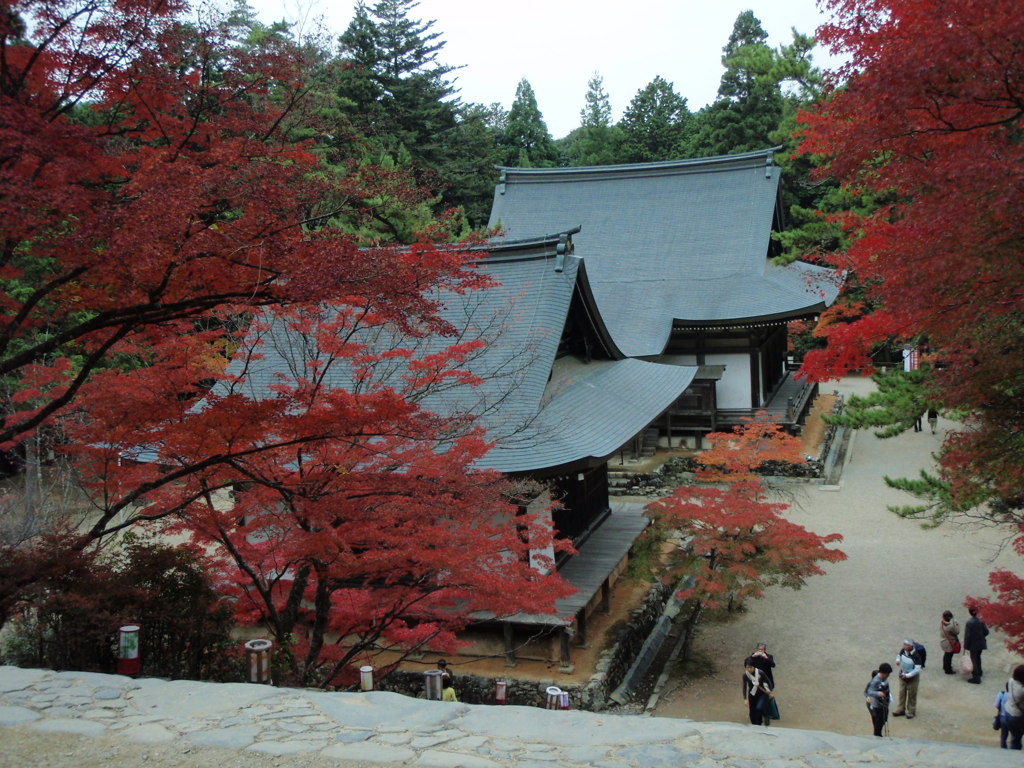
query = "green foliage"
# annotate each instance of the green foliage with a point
(900, 400)
(388, 101)
(749, 107)
(935, 492)
(595, 141)
(655, 125)
(526, 142)
(645, 559)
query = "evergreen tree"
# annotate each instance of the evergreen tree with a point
(594, 142)
(749, 107)
(399, 100)
(655, 125)
(526, 143)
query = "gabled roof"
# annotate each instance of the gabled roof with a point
(683, 241)
(540, 413)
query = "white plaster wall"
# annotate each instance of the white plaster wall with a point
(734, 387)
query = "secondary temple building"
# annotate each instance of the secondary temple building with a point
(679, 255)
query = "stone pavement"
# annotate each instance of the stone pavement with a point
(390, 729)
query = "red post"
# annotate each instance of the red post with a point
(129, 659)
(500, 691)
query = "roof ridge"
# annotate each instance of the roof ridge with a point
(757, 158)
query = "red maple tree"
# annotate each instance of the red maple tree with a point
(736, 541)
(156, 194)
(928, 115)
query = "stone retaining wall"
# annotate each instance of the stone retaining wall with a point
(611, 668)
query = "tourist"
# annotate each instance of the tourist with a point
(949, 641)
(909, 663)
(877, 697)
(1011, 711)
(765, 662)
(447, 692)
(975, 633)
(933, 419)
(445, 673)
(756, 693)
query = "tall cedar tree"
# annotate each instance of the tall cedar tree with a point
(525, 142)
(942, 259)
(736, 541)
(595, 141)
(136, 240)
(655, 125)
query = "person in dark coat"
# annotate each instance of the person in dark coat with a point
(756, 692)
(765, 662)
(975, 633)
(876, 695)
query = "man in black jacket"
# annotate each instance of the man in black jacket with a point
(975, 633)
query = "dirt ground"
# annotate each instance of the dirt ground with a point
(830, 635)
(826, 638)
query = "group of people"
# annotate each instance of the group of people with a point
(910, 661)
(759, 686)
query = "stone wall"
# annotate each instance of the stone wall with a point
(609, 671)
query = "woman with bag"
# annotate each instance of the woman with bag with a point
(950, 641)
(1011, 713)
(757, 693)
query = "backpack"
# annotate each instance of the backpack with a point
(921, 653)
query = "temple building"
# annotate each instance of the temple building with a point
(679, 256)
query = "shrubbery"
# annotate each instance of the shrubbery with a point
(71, 619)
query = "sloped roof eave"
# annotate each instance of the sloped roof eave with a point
(607, 408)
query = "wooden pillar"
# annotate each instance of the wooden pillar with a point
(606, 596)
(581, 627)
(565, 651)
(510, 650)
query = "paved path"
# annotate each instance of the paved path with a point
(897, 580)
(122, 722)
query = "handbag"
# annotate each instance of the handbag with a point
(953, 644)
(773, 709)
(966, 665)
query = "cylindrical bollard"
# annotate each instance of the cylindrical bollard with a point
(432, 684)
(563, 699)
(554, 700)
(366, 678)
(258, 653)
(500, 691)
(129, 659)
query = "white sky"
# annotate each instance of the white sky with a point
(558, 44)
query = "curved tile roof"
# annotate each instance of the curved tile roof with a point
(684, 240)
(540, 414)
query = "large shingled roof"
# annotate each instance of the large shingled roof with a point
(541, 414)
(682, 242)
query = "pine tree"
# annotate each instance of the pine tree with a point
(749, 107)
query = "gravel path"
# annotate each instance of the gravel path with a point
(829, 636)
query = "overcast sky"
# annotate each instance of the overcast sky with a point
(559, 44)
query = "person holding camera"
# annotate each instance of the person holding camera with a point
(876, 695)
(909, 663)
(765, 662)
